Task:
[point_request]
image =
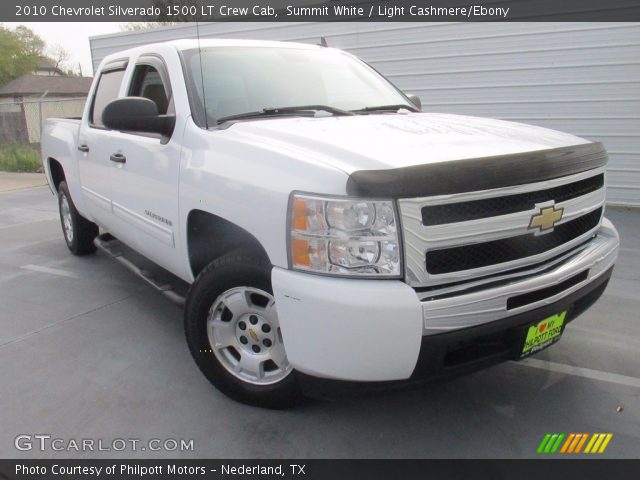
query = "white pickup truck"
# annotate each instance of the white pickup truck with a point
(321, 230)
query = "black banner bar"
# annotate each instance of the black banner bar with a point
(584, 469)
(319, 10)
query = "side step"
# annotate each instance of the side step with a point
(165, 282)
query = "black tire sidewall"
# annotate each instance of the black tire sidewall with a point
(240, 268)
(63, 190)
(84, 231)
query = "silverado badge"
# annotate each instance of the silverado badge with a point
(546, 219)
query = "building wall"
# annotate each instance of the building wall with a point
(582, 78)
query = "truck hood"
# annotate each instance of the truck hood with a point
(383, 141)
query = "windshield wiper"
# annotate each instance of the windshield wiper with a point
(386, 108)
(303, 108)
(275, 111)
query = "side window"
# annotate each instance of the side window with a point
(147, 83)
(107, 90)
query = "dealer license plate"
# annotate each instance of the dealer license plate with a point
(543, 334)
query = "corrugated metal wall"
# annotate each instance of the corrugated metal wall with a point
(582, 78)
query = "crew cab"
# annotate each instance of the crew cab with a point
(321, 230)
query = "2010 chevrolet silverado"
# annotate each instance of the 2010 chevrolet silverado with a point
(327, 230)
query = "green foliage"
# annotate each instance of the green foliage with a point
(19, 158)
(20, 50)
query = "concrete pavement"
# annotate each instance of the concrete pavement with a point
(19, 181)
(89, 351)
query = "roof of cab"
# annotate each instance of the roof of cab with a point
(186, 44)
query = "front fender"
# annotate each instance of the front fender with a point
(248, 184)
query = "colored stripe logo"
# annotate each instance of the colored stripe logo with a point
(574, 443)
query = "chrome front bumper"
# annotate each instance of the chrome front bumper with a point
(463, 310)
(367, 330)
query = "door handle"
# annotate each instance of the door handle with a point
(83, 148)
(118, 158)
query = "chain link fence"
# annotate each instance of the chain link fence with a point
(21, 122)
(21, 128)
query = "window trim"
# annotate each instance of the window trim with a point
(198, 115)
(157, 62)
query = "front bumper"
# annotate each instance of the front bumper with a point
(380, 331)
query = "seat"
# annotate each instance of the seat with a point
(156, 93)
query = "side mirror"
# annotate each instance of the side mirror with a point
(416, 101)
(137, 114)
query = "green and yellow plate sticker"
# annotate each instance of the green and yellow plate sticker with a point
(543, 334)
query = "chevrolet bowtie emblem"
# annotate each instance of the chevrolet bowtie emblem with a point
(546, 219)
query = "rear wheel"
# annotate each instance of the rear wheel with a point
(232, 329)
(78, 231)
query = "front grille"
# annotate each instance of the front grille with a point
(478, 255)
(493, 207)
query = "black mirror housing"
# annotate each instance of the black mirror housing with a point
(137, 114)
(416, 101)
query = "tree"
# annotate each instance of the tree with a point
(20, 51)
(135, 26)
(59, 55)
(33, 44)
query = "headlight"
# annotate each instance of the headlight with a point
(344, 236)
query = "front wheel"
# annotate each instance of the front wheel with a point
(232, 329)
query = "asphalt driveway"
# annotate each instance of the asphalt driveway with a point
(88, 351)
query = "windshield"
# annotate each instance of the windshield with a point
(239, 80)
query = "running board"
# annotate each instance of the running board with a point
(166, 283)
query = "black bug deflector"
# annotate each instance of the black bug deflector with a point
(459, 176)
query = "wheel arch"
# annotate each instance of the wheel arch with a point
(56, 173)
(209, 236)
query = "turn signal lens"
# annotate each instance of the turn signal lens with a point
(300, 252)
(299, 211)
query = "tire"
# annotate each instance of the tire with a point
(222, 341)
(78, 231)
